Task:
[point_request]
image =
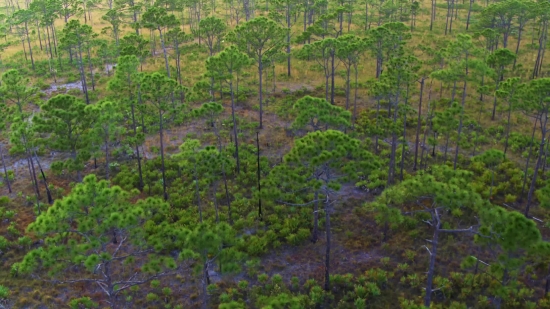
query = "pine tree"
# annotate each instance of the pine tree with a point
(2, 129)
(319, 114)
(535, 97)
(126, 89)
(17, 94)
(511, 233)
(107, 127)
(439, 193)
(79, 37)
(159, 90)
(226, 67)
(261, 38)
(157, 19)
(499, 60)
(316, 168)
(215, 242)
(134, 44)
(95, 235)
(349, 50)
(68, 124)
(214, 30)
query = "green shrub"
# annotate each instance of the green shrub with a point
(4, 292)
(4, 201)
(4, 243)
(24, 241)
(82, 302)
(152, 297)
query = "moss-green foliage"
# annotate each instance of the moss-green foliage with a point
(80, 229)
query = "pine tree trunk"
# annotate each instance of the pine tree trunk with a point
(348, 82)
(354, 116)
(234, 126)
(6, 176)
(90, 67)
(48, 193)
(161, 134)
(517, 46)
(83, 74)
(260, 74)
(29, 44)
(404, 137)
(469, 13)
(107, 155)
(461, 118)
(332, 73)
(227, 195)
(528, 159)
(258, 174)
(314, 233)
(538, 164)
(508, 124)
(418, 124)
(166, 64)
(39, 35)
(431, 268)
(288, 38)
(327, 251)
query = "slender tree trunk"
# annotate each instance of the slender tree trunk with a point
(166, 64)
(461, 118)
(508, 123)
(288, 39)
(134, 125)
(528, 159)
(260, 73)
(258, 172)
(418, 124)
(91, 69)
(348, 82)
(314, 233)
(29, 44)
(234, 126)
(432, 17)
(404, 137)
(354, 116)
(327, 251)
(39, 35)
(83, 75)
(517, 45)
(228, 201)
(424, 137)
(332, 73)
(469, 13)
(538, 164)
(107, 156)
(542, 46)
(24, 50)
(376, 124)
(49, 42)
(6, 176)
(48, 193)
(448, 13)
(54, 39)
(431, 267)
(161, 134)
(391, 170)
